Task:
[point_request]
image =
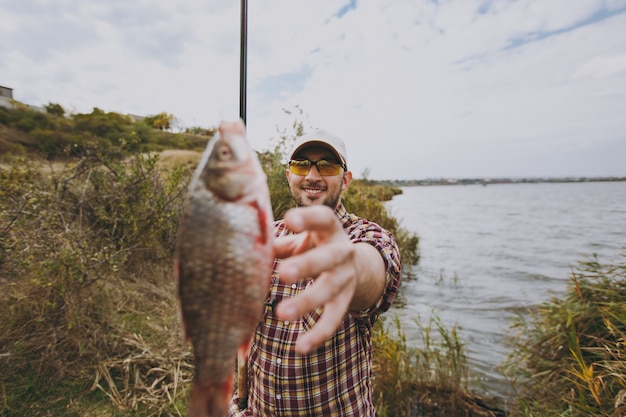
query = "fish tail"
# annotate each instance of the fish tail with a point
(211, 400)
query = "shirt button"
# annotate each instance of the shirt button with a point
(294, 286)
(286, 322)
(278, 396)
(279, 361)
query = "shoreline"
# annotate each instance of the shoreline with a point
(492, 181)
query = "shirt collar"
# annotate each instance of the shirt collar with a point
(342, 213)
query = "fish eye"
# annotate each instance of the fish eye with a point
(224, 153)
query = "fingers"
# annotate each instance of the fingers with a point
(236, 127)
(335, 306)
(319, 219)
(322, 250)
(320, 245)
(324, 329)
(314, 261)
(286, 246)
(324, 289)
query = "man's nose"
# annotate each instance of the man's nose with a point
(313, 173)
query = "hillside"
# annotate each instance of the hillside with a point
(53, 135)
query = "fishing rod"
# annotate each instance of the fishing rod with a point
(243, 58)
(242, 360)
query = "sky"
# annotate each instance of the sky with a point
(416, 88)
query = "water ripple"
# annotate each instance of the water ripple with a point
(490, 253)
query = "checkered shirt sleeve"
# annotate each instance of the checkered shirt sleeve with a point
(334, 379)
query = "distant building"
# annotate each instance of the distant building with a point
(7, 100)
(135, 118)
(6, 92)
(6, 96)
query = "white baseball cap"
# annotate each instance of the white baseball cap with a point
(322, 138)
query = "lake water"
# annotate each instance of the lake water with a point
(488, 252)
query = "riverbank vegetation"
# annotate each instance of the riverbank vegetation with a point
(87, 235)
(31, 133)
(90, 324)
(569, 355)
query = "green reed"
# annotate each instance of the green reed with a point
(430, 380)
(569, 355)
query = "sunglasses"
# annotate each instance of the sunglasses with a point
(324, 167)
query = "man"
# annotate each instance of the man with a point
(334, 274)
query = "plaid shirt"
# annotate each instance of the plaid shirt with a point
(334, 379)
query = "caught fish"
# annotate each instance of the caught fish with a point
(224, 262)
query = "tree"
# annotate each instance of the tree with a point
(55, 109)
(366, 175)
(161, 121)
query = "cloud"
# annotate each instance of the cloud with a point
(44, 34)
(277, 87)
(602, 67)
(415, 87)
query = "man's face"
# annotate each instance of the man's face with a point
(313, 188)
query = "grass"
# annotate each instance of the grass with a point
(569, 356)
(88, 296)
(428, 381)
(87, 289)
(90, 319)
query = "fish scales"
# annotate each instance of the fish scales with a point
(224, 264)
(220, 266)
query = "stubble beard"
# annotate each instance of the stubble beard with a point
(331, 200)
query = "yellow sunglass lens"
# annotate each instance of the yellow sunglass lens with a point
(324, 167)
(328, 168)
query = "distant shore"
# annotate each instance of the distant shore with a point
(489, 181)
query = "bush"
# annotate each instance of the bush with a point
(569, 355)
(86, 262)
(428, 381)
(55, 137)
(90, 313)
(55, 109)
(366, 200)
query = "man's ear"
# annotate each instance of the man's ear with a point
(347, 179)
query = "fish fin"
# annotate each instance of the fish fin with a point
(186, 336)
(210, 401)
(242, 373)
(263, 220)
(244, 349)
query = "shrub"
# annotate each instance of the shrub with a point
(85, 261)
(55, 109)
(366, 200)
(429, 380)
(99, 123)
(569, 354)
(88, 297)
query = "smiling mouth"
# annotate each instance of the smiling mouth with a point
(314, 190)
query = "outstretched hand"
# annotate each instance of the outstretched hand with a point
(322, 250)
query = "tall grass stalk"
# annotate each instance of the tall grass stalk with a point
(427, 381)
(569, 354)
